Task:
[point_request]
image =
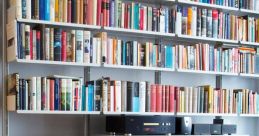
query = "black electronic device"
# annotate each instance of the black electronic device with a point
(218, 121)
(184, 125)
(141, 125)
(215, 129)
(201, 129)
(229, 129)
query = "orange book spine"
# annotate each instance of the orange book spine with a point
(189, 21)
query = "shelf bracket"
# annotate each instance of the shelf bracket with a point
(219, 81)
(87, 72)
(158, 77)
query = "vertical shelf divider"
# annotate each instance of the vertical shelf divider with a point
(87, 71)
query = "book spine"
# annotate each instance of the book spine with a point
(87, 38)
(215, 24)
(57, 44)
(79, 46)
(47, 43)
(63, 45)
(38, 93)
(56, 94)
(142, 96)
(171, 98)
(52, 94)
(27, 42)
(43, 93)
(63, 94)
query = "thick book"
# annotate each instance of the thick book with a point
(142, 96)
(57, 44)
(79, 46)
(13, 88)
(130, 94)
(159, 98)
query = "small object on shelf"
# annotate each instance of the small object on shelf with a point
(201, 129)
(229, 129)
(215, 129)
(184, 125)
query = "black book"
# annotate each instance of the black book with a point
(57, 44)
(97, 95)
(155, 19)
(73, 11)
(130, 86)
(20, 107)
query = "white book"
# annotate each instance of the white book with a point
(162, 20)
(145, 18)
(28, 9)
(117, 96)
(142, 96)
(33, 93)
(87, 38)
(47, 43)
(43, 93)
(86, 99)
(122, 14)
(190, 100)
(186, 98)
(118, 52)
(98, 51)
(52, 10)
(104, 48)
(105, 95)
(149, 18)
(63, 93)
(178, 26)
(26, 95)
(79, 46)
(18, 4)
(69, 95)
(147, 54)
(48, 94)
(135, 53)
(123, 96)
(38, 93)
(132, 15)
(194, 21)
(94, 12)
(111, 99)
(94, 48)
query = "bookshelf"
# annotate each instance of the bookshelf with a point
(130, 70)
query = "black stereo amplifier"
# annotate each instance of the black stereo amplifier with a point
(141, 125)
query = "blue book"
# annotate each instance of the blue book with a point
(83, 98)
(79, 45)
(124, 51)
(136, 16)
(90, 97)
(168, 57)
(56, 94)
(57, 44)
(166, 20)
(19, 41)
(112, 5)
(154, 55)
(47, 9)
(135, 100)
(23, 8)
(42, 9)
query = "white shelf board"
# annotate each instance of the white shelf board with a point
(207, 114)
(249, 11)
(249, 115)
(58, 112)
(137, 67)
(207, 5)
(207, 39)
(249, 75)
(57, 63)
(32, 21)
(139, 113)
(140, 32)
(249, 43)
(206, 72)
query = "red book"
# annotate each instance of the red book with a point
(126, 16)
(31, 44)
(89, 12)
(171, 98)
(163, 98)
(104, 13)
(107, 13)
(159, 98)
(153, 98)
(215, 15)
(114, 97)
(76, 96)
(51, 95)
(69, 4)
(167, 98)
(64, 46)
(99, 12)
(141, 19)
(177, 98)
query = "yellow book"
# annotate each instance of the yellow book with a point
(60, 9)
(147, 54)
(189, 21)
(56, 10)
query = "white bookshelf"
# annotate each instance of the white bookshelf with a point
(206, 5)
(206, 39)
(207, 114)
(139, 33)
(248, 11)
(249, 43)
(206, 72)
(249, 115)
(137, 67)
(249, 75)
(58, 63)
(140, 113)
(59, 112)
(60, 24)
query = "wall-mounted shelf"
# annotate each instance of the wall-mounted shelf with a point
(207, 114)
(249, 43)
(139, 113)
(137, 67)
(59, 112)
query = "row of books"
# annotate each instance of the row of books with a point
(71, 94)
(249, 4)
(228, 3)
(179, 19)
(56, 44)
(248, 29)
(216, 24)
(206, 99)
